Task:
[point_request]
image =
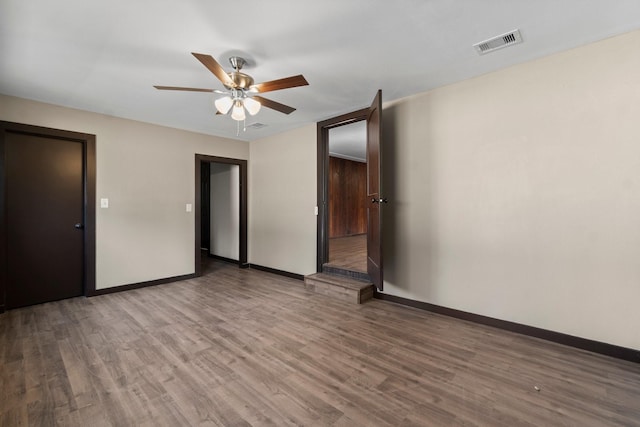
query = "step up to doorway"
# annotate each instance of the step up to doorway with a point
(343, 288)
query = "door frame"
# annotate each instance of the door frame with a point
(88, 142)
(242, 255)
(323, 128)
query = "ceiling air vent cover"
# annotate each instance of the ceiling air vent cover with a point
(498, 42)
(257, 125)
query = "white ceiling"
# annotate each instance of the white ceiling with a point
(349, 141)
(105, 56)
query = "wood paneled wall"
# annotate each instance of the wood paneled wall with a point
(347, 194)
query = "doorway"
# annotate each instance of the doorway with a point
(341, 180)
(47, 186)
(220, 210)
(373, 201)
(347, 190)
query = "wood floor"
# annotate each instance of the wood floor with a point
(349, 253)
(245, 347)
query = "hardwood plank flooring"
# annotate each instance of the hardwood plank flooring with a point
(349, 253)
(248, 348)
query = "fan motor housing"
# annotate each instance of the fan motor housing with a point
(241, 80)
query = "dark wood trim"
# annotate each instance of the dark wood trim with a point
(323, 128)
(244, 209)
(278, 272)
(199, 159)
(139, 285)
(618, 352)
(322, 170)
(90, 214)
(3, 222)
(88, 142)
(221, 258)
(344, 119)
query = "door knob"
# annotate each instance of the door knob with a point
(379, 200)
(79, 226)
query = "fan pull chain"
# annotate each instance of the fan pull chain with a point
(244, 127)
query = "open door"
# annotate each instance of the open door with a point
(374, 200)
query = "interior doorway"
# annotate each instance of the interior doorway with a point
(220, 210)
(342, 175)
(347, 190)
(373, 200)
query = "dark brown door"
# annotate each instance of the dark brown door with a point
(44, 218)
(374, 199)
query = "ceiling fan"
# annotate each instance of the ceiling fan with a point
(241, 90)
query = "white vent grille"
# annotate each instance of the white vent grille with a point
(498, 42)
(256, 126)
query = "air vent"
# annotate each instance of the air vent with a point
(256, 126)
(498, 42)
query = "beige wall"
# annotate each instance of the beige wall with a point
(516, 195)
(282, 197)
(147, 172)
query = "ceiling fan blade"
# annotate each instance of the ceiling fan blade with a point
(274, 105)
(213, 66)
(189, 89)
(285, 83)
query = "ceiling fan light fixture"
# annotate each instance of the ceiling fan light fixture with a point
(241, 89)
(252, 106)
(238, 111)
(224, 104)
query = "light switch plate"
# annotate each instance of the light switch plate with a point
(104, 203)
(189, 207)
